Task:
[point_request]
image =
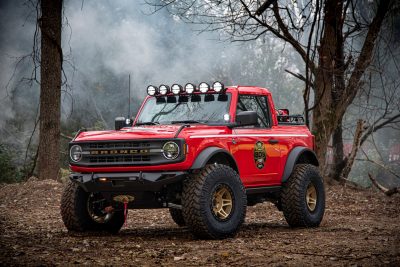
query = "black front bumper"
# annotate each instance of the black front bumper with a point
(127, 182)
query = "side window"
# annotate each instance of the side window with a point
(258, 104)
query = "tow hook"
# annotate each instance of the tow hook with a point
(125, 199)
(109, 209)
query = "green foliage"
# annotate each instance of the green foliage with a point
(8, 171)
(99, 126)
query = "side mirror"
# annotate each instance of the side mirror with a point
(121, 122)
(245, 118)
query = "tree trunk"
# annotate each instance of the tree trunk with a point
(339, 160)
(332, 95)
(324, 119)
(50, 89)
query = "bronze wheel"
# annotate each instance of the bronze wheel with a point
(311, 197)
(214, 202)
(222, 202)
(303, 197)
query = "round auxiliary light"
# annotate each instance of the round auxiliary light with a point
(75, 153)
(218, 87)
(151, 90)
(176, 89)
(204, 87)
(171, 150)
(164, 89)
(190, 88)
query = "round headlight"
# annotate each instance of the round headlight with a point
(218, 87)
(164, 89)
(204, 87)
(176, 89)
(189, 88)
(75, 153)
(151, 90)
(171, 150)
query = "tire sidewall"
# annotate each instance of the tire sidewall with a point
(113, 225)
(293, 197)
(314, 217)
(223, 228)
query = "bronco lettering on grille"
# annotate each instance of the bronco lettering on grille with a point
(121, 151)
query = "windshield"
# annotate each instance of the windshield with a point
(185, 109)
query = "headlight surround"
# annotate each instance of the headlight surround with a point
(171, 150)
(75, 153)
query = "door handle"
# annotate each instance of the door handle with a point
(273, 141)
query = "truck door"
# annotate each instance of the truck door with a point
(256, 150)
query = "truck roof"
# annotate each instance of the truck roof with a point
(245, 89)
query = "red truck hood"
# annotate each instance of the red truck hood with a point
(151, 132)
(145, 132)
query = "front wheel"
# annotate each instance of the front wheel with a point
(177, 216)
(303, 197)
(214, 202)
(82, 211)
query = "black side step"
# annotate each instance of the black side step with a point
(260, 190)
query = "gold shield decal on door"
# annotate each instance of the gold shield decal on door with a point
(259, 154)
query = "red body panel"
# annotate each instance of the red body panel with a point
(239, 142)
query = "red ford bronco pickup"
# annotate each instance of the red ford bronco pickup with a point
(205, 153)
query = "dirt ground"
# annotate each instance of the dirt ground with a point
(360, 228)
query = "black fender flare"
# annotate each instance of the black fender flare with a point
(208, 153)
(293, 157)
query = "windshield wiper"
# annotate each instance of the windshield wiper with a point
(185, 121)
(147, 123)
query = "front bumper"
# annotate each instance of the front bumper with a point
(127, 182)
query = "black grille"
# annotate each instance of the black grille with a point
(119, 145)
(123, 153)
(116, 159)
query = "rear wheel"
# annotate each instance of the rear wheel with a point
(214, 202)
(303, 197)
(177, 216)
(82, 211)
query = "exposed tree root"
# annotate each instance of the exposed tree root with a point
(386, 191)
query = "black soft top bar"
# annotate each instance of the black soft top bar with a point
(291, 119)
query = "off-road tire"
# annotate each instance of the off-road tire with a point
(75, 215)
(197, 202)
(293, 197)
(177, 217)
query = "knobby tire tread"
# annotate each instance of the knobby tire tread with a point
(177, 216)
(192, 210)
(68, 203)
(293, 198)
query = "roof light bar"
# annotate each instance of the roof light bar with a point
(204, 87)
(218, 87)
(164, 89)
(151, 90)
(190, 88)
(176, 89)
